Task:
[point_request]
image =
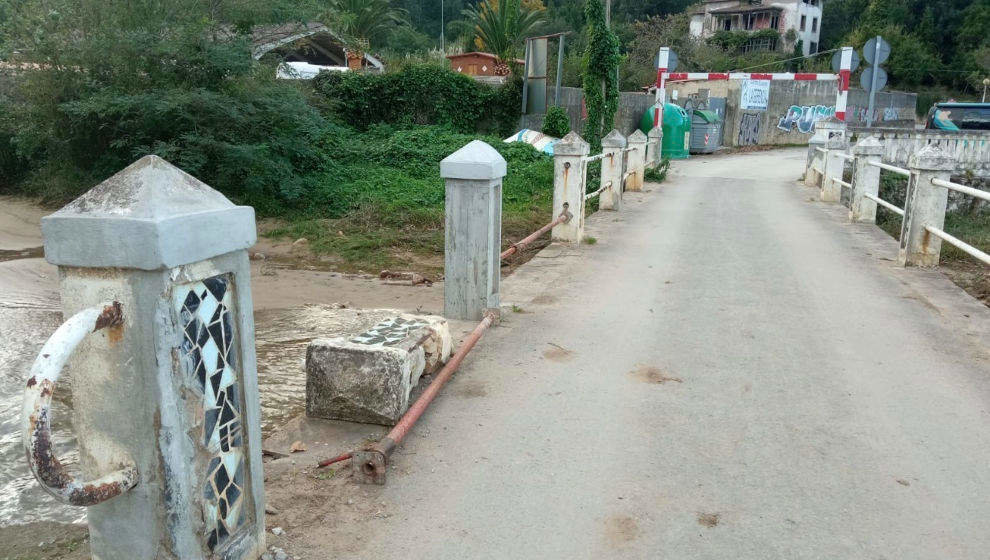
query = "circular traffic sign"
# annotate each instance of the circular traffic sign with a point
(866, 78)
(870, 49)
(837, 61)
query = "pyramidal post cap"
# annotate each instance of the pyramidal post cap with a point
(637, 137)
(149, 216)
(614, 139)
(476, 160)
(571, 145)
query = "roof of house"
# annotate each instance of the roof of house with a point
(481, 54)
(746, 9)
(265, 39)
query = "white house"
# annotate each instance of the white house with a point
(804, 17)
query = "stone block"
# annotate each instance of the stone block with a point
(369, 377)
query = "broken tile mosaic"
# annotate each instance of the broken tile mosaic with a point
(206, 352)
(388, 332)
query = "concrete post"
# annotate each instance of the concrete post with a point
(569, 186)
(171, 388)
(812, 176)
(636, 164)
(473, 177)
(866, 180)
(834, 167)
(924, 206)
(612, 169)
(653, 154)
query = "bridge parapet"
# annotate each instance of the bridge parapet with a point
(970, 150)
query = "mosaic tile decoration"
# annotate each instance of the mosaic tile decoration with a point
(207, 351)
(389, 332)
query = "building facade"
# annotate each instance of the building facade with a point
(803, 17)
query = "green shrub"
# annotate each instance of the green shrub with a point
(421, 94)
(556, 122)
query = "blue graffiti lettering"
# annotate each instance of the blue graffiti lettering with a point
(804, 117)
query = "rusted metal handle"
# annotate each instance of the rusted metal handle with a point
(36, 421)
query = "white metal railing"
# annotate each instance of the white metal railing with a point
(898, 170)
(588, 159)
(822, 150)
(962, 188)
(845, 156)
(962, 245)
(896, 210)
(843, 183)
(591, 195)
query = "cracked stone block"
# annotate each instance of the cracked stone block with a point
(368, 377)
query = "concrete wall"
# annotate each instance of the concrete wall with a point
(793, 108)
(632, 105)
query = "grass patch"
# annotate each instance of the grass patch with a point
(383, 207)
(658, 174)
(589, 240)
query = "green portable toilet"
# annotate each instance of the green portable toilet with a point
(676, 130)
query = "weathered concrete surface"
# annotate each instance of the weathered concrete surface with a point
(774, 386)
(368, 376)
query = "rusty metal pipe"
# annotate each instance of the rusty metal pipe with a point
(336, 459)
(521, 244)
(369, 464)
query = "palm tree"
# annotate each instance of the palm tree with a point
(501, 26)
(362, 22)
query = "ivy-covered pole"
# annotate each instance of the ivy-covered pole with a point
(601, 80)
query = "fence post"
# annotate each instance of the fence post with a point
(569, 176)
(924, 205)
(866, 180)
(154, 275)
(473, 177)
(653, 153)
(833, 169)
(612, 170)
(816, 141)
(636, 165)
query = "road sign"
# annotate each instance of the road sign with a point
(837, 61)
(871, 48)
(671, 61)
(866, 79)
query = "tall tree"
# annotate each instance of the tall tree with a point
(601, 80)
(364, 22)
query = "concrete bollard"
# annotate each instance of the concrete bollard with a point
(833, 169)
(569, 176)
(866, 180)
(473, 177)
(653, 152)
(636, 163)
(153, 264)
(924, 205)
(812, 173)
(613, 167)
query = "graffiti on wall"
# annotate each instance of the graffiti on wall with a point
(749, 129)
(858, 113)
(804, 117)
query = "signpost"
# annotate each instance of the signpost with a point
(876, 51)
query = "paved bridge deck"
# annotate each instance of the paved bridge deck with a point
(732, 371)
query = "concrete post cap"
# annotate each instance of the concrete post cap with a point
(614, 139)
(637, 137)
(571, 145)
(655, 132)
(931, 158)
(837, 142)
(477, 160)
(149, 216)
(869, 146)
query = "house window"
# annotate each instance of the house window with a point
(727, 24)
(814, 25)
(804, 19)
(775, 21)
(813, 48)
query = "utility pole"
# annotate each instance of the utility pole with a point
(608, 13)
(986, 82)
(443, 48)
